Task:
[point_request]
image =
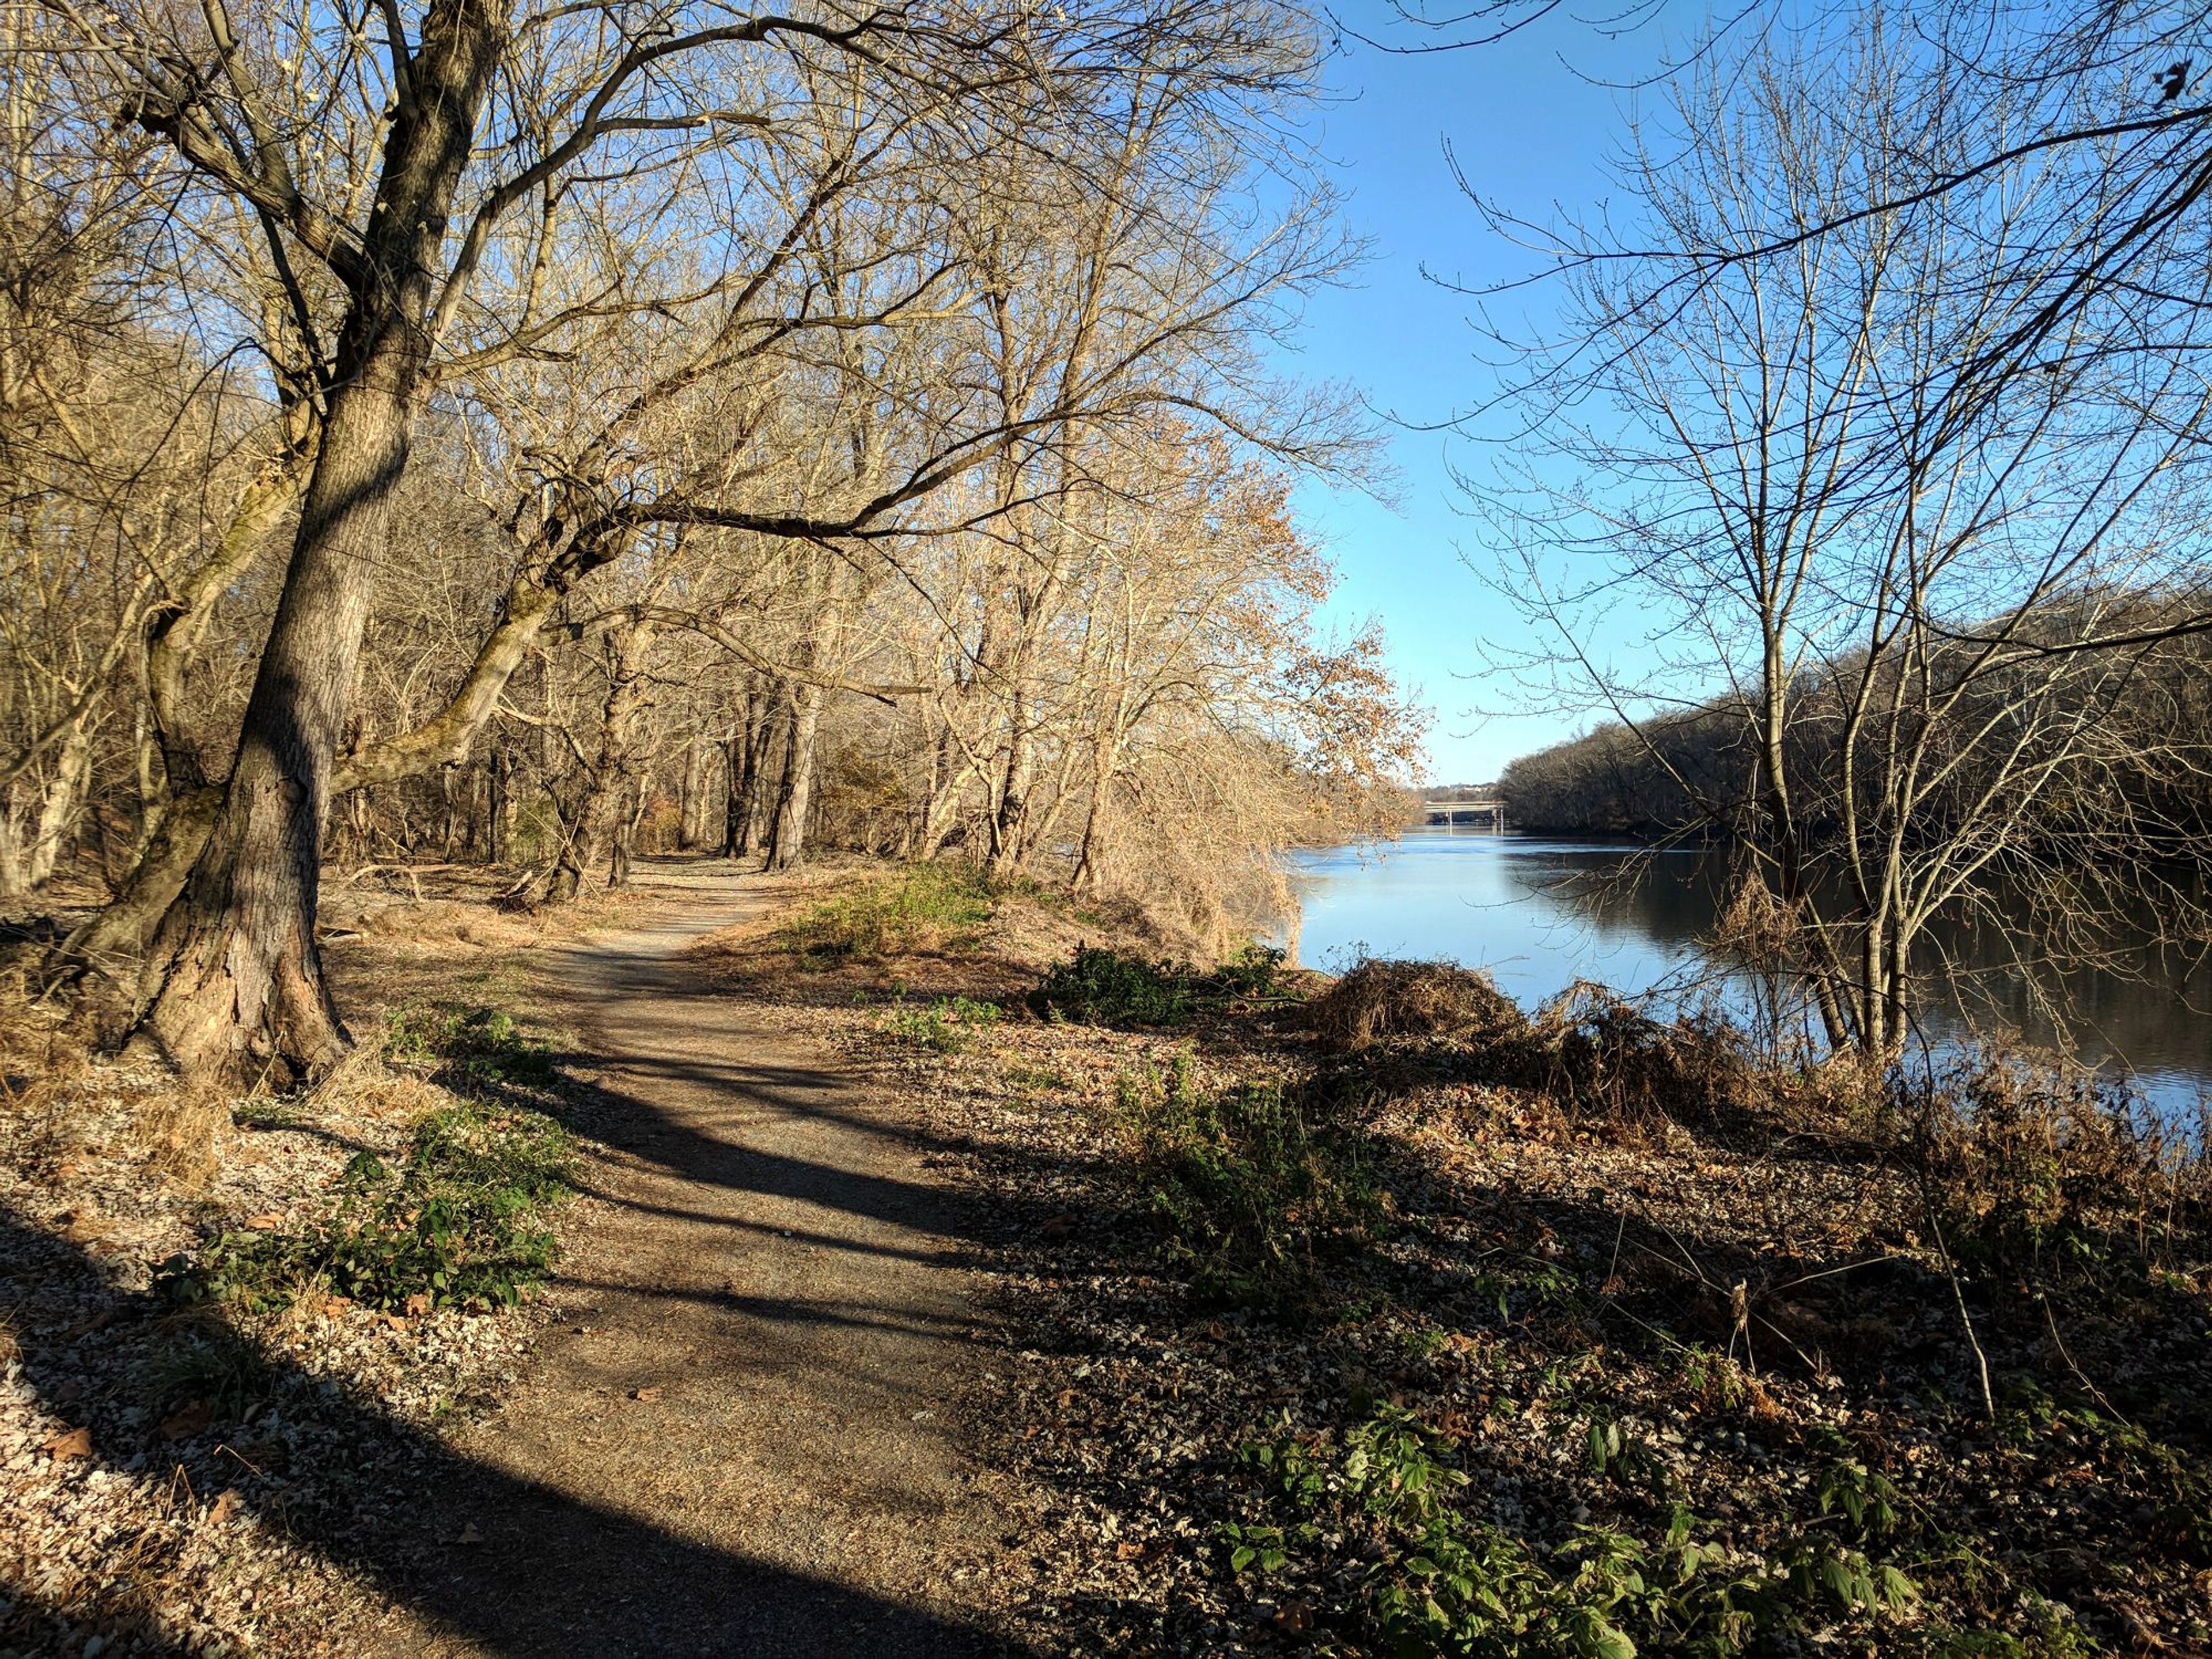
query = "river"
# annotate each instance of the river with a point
(1539, 914)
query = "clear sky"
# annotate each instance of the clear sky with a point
(1530, 129)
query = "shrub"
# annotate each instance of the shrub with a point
(2049, 1166)
(460, 1224)
(1604, 1059)
(1101, 987)
(1246, 1188)
(930, 905)
(1595, 1056)
(1254, 974)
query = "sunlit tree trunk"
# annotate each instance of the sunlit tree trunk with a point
(234, 984)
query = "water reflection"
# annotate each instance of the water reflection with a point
(1540, 914)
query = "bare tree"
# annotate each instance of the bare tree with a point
(1922, 582)
(401, 170)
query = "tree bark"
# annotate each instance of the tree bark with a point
(1010, 824)
(786, 846)
(597, 849)
(233, 986)
(691, 809)
(501, 815)
(747, 753)
(37, 820)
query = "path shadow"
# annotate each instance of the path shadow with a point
(551, 1575)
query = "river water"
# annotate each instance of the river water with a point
(1539, 914)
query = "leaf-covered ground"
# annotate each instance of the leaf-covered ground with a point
(1504, 1384)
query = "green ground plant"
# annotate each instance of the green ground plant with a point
(205, 1360)
(1248, 1186)
(467, 1046)
(1437, 1580)
(460, 1222)
(928, 906)
(949, 1026)
(1101, 987)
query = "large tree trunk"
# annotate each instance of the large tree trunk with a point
(596, 850)
(691, 808)
(233, 985)
(786, 846)
(748, 757)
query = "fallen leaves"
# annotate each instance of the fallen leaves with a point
(194, 1417)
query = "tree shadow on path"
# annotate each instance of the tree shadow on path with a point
(550, 1575)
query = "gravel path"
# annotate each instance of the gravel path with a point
(736, 1441)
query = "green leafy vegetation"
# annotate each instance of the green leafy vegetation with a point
(205, 1361)
(1101, 987)
(467, 1045)
(928, 906)
(1438, 1581)
(949, 1026)
(460, 1222)
(1247, 1186)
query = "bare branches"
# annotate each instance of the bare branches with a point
(1908, 480)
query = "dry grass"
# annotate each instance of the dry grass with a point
(2041, 1164)
(1594, 1057)
(1425, 1001)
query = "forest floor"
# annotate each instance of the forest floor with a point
(896, 1307)
(722, 1424)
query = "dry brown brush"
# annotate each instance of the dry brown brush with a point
(2040, 1168)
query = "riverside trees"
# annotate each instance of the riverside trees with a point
(1892, 407)
(633, 369)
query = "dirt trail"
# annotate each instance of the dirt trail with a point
(770, 1268)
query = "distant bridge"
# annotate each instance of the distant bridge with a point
(1453, 813)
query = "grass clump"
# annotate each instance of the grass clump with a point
(459, 1223)
(949, 1026)
(1101, 987)
(467, 1045)
(1248, 1187)
(929, 906)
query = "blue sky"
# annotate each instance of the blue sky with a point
(1530, 129)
